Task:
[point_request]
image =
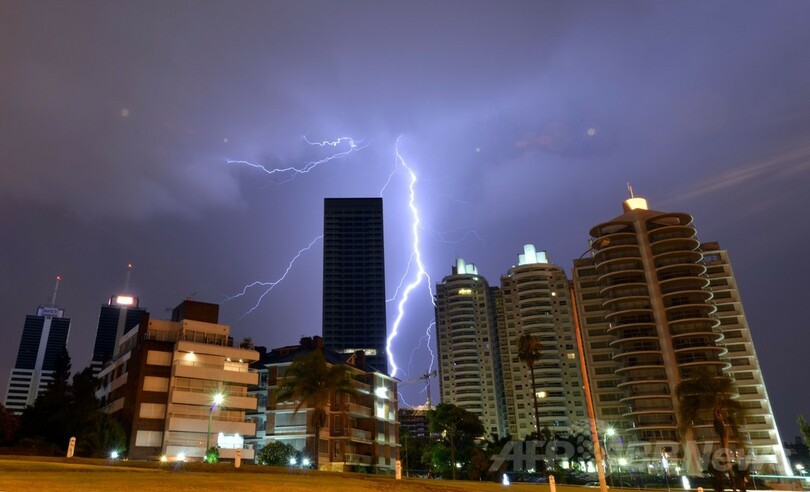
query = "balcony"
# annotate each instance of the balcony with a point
(358, 410)
(359, 459)
(289, 429)
(360, 435)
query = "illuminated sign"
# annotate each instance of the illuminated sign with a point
(50, 312)
(230, 441)
(125, 301)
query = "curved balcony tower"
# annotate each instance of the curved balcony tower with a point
(534, 300)
(647, 282)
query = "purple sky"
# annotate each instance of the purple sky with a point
(522, 120)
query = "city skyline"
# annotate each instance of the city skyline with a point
(119, 123)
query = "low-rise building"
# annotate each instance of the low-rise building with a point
(361, 431)
(179, 386)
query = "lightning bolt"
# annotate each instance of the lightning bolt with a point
(293, 172)
(272, 285)
(352, 146)
(467, 231)
(416, 256)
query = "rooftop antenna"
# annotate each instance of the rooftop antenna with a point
(630, 189)
(55, 290)
(129, 275)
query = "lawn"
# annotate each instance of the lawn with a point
(60, 474)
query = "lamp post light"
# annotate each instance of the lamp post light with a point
(217, 400)
(609, 432)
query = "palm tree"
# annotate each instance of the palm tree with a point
(705, 393)
(313, 383)
(529, 351)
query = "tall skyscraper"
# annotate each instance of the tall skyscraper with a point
(534, 300)
(467, 343)
(354, 278)
(649, 317)
(44, 339)
(117, 317)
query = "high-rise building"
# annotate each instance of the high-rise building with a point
(354, 278)
(534, 300)
(467, 343)
(115, 319)
(44, 339)
(649, 318)
(179, 387)
(759, 427)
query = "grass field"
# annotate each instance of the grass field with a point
(60, 474)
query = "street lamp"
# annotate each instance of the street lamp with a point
(609, 432)
(217, 400)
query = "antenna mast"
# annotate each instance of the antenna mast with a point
(55, 290)
(630, 189)
(129, 275)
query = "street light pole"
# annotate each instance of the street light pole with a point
(218, 398)
(609, 432)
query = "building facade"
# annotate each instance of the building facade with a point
(354, 278)
(762, 439)
(44, 339)
(361, 432)
(165, 378)
(534, 300)
(117, 317)
(467, 345)
(649, 318)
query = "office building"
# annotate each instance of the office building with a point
(179, 386)
(414, 421)
(534, 299)
(354, 278)
(649, 317)
(44, 339)
(361, 433)
(115, 319)
(467, 343)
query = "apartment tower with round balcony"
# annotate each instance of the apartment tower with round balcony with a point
(534, 299)
(647, 321)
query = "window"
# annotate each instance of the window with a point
(152, 411)
(152, 383)
(156, 358)
(149, 438)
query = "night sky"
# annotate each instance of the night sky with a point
(522, 120)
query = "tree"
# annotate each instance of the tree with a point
(276, 453)
(804, 428)
(459, 427)
(71, 410)
(706, 394)
(9, 425)
(313, 384)
(529, 348)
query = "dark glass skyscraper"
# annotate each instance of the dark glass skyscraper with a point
(43, 340)
(119, 316)
(354, 278)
